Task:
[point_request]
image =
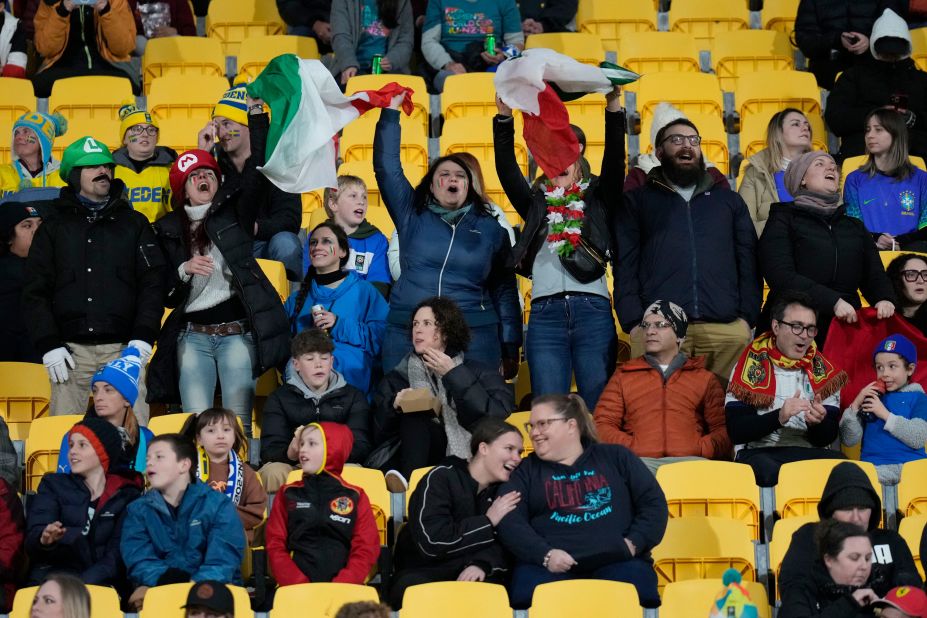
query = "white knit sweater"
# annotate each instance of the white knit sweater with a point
(207, 292)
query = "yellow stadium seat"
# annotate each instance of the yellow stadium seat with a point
(168, 423)
(801, 483)
(584, 597)
(593, 126)
(767, 92)
(714, 139)
(380, 219)
(257, 51)
(44, 444)
(738, 52)
(780, 15)
(374, 485)
(276, 274)
(657, 52)
(753, 131)
(322, 600)
(17, 99)
(693, 93)
(166, 601)
(679, 598)
(469, 94)
(184, 55)
(518, 419)
(357, 144)
(919, 45)
(317, 217)
(705, 20)
(24, 395)
(782, 538)
(180, 133)
(703, 547)
(414, 479)
(582, 46)
(474, 135)
(712, 488)
(104, 602)
(911, 530)
(492, 187)
(611, 20)
(311, 202)
(186, 96)
(364, 171)
(233, 21)
(90, 98)
(421, 101)
(912, 489)
(106, 131)
(456, 600)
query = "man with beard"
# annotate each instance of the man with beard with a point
(684, 238)
(93, 278)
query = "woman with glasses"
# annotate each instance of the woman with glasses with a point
(810, 245)
(228, 322)
(908, 274)
(587, 510)
(142, 164)
(435, 396)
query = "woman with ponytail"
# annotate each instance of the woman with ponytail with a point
(338, 301)
(362, 29)
(587, 510)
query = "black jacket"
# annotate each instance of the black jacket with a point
(892, 566)
(14, 345)
(827, 258)
(476, 390)
(94, 556)
(304, 12)
(603, 191)
(93, 277)
(228, 226)
(701, 255)
(554, 15)
(287, 408)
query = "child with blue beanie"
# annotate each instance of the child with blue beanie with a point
(889, 415)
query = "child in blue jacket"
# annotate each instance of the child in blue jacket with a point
(890, 414)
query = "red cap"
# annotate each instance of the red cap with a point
(184, 166)
(907, 599)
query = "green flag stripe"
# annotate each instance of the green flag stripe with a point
(280, 86)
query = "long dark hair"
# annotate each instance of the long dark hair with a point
(388, 11)
(423, 190)
(892, 122)
(894, 274)
(306, 286)
(196, 241)
(450, 319)
(489, 430)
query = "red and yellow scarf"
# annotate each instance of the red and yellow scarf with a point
(754, 380)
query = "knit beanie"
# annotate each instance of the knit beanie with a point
(734, 599)
(663, 114)
(851, 497)
(233, 105)
(103, 437)
(897, 344)
(130, 115)
(46, 128)
(672, 313)
(122, 374)
(185, 165)
(10, 216)
(797, 169)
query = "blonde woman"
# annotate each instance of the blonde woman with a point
(61, 596)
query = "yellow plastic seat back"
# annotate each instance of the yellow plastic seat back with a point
(233, 21)
(186, 96)
(657, 52)
(611, 20)
(519, 419)
(321, 600)
(767, 92)
(714, 139)
(180, 133)
(168, 423)
(421, 102)
(364, 171)
(584, 597)
(357, 144)
(712, 488)
(25, 392)
(705, 20)
(44, 445)
(257, 51)
(584, 47)
(739, 52)
(702, 548)
(16, 98)
(374, 485)
(693, 93)
(780, 15)
(801, 483)
(782, 538)
(469, 94)
(183, 55)
(380, 219)
(911, 530)
(912, 489)
(474, 135)
(276, 274)
(456, 600)
(104, 602)
(166, 601)
(414, 479)
(91, 97)
(679, 598)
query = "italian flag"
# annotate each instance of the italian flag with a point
(307, 111)
(538, 82)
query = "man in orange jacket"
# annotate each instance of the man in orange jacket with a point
(664, 406)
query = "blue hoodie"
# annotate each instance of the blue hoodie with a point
(358, 331)
(887, 205)
(368, 254)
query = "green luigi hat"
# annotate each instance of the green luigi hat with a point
(85, 152)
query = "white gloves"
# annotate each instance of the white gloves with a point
(57, 362)
(144, 350)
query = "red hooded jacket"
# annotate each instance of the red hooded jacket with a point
(322, 529)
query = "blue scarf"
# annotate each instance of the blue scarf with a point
(234, 486)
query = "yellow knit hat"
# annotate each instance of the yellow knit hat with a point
(130, 115)
(233, 105)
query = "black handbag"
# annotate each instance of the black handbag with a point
(585, 264)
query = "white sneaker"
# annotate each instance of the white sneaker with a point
(396, 483)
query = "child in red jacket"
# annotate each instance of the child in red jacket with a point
(12, 534)
(322, 529)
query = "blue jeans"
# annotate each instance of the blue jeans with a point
(485, 346)
(283, 247)
(571, 335)
(526, 577)
(202, 358)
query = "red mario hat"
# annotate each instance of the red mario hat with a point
(184, 166)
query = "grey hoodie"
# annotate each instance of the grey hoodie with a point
(335, 382)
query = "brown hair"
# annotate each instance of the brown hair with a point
(311, 340)
(775, 142)
(196, 423)
(488, 430)
(75, 598)
(363, 609)
(572, 406)
(331, 193)
(900, 166)
(129, 422)
(479, 185)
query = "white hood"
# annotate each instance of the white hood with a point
(890, 24)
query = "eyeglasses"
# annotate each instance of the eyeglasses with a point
(798, 329)
(911, 275)
(542, 425)
(656, 325)
(677, 139)
(141, 129)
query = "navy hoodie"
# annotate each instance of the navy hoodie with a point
(586, 509)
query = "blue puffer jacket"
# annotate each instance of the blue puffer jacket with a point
(468, 262)
(204, 539)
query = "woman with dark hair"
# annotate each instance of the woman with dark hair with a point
(346, 306)
(228, 322)
(571, 330)
(451, 247)
(454, 511)
(460, 390)
(888, 193)
(365, 29)
(908, 274)
(18, 223)
(587, 510)
(61, 596)
(838, 585)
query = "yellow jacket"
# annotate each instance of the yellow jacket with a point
(11, 181)
(149, 190)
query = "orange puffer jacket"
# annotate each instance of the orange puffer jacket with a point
(115, 32)
(681, 416)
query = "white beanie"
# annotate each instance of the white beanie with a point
(663, 114)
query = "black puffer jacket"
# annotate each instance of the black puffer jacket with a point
(827, 258)
(14, 347)
(93, 277)
(228, 226)
(603, 192)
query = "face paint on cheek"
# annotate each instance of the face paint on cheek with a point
(133, 140)
(30, 139)
(232, 133)
(331, 251)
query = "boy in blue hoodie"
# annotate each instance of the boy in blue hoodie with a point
(890, 414)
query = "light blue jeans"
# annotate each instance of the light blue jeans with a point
(203, 358)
